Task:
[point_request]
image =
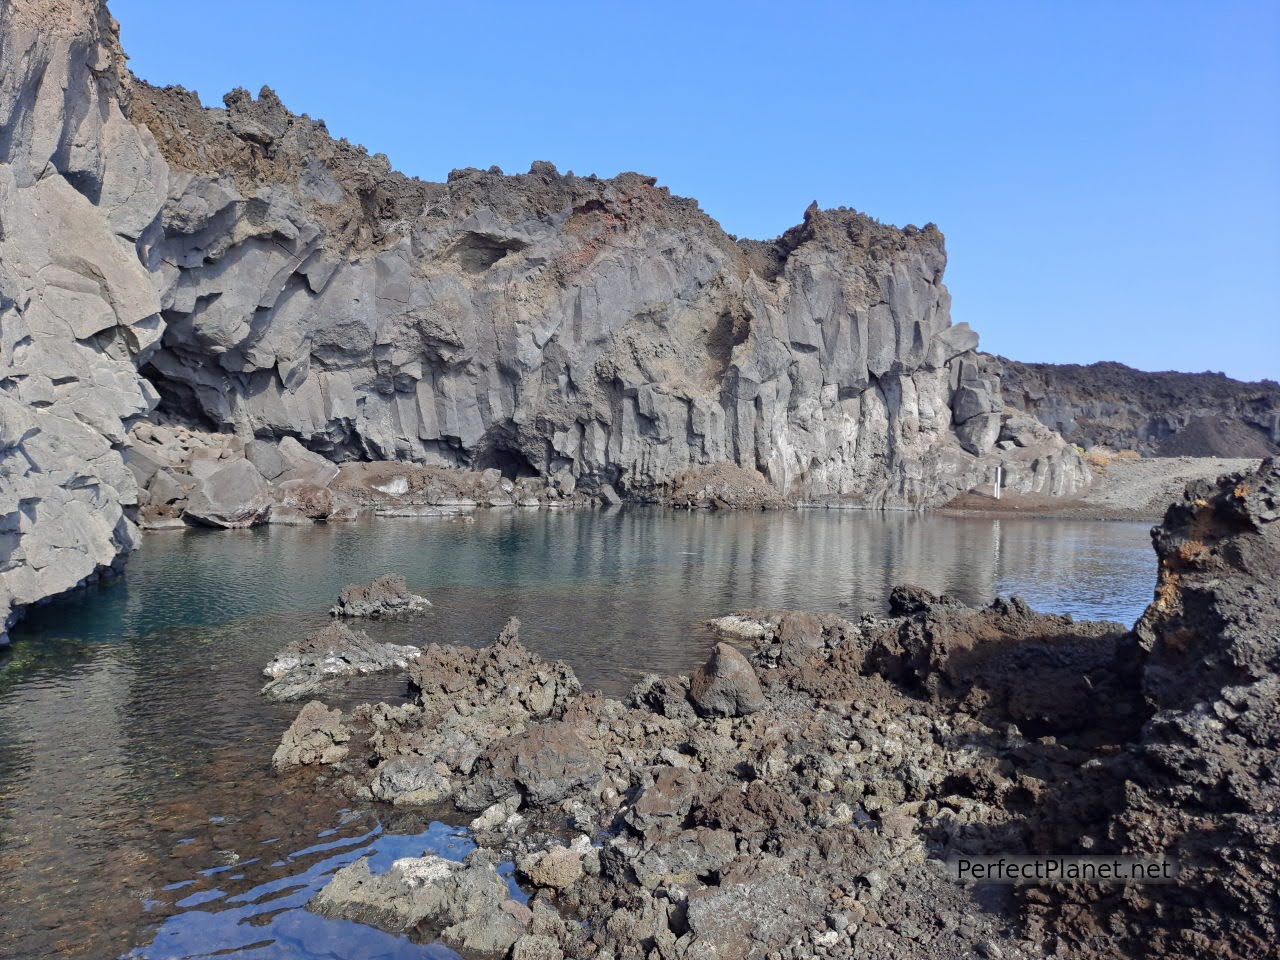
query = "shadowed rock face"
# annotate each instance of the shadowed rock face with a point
(1163, 414)
(254, 276)
(1201, 783)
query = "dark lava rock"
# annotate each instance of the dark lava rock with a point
(668, 696)
(544, 764)
(802, 811)
(1202, 783)
(726, 685)
(1158, 414)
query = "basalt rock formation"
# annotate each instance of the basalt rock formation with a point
(1157, 414)
(240, 271)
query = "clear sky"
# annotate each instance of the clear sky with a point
(1107, 173)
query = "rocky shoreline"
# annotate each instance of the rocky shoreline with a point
(799, 794)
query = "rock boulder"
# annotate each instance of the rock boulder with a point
(726, 685)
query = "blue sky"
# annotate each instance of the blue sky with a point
(1107, 173)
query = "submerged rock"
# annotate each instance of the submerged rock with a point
(305, 667)
(386, 596)
(461, 904)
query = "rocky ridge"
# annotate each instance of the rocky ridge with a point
(238, 272)
(800, 801)
(1156, 414)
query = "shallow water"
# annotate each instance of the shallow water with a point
(134, 746)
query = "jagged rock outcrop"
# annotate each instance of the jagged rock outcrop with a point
(260, 279)
(804, 825)
(387, 596)
(601, 331)
(1156, 414)
(1202, 781)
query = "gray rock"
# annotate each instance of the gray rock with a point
(265, 455)
(301, 464)
(231, 254)
(1155, 414)
(460, 903)
(554, 869)
(305, 667)
(978, 434)
(306, 501)
(726, 685)
(410, 781)
(533, 946)
(167, 487)
(233, 495)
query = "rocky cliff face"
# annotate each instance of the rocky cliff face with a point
(255, 277)
(1157, 414)
(79, 310)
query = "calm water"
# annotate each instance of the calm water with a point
(137, 811)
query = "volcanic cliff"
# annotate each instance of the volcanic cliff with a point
(240, 271)
(1164, 414)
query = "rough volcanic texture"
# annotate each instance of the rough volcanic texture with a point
(258, 278)
(305, 668)
(601, 331)
(1202, 782)
(811, 819)
(388, 596)
(805, 814)
(1158, 414)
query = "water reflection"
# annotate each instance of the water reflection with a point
(134, 747)
(266, 921)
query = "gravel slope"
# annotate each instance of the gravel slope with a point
(1122, 490)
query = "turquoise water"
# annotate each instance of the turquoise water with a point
(134, 747)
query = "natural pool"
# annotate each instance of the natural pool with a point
(137, 809)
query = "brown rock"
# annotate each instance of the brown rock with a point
(317, 736)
